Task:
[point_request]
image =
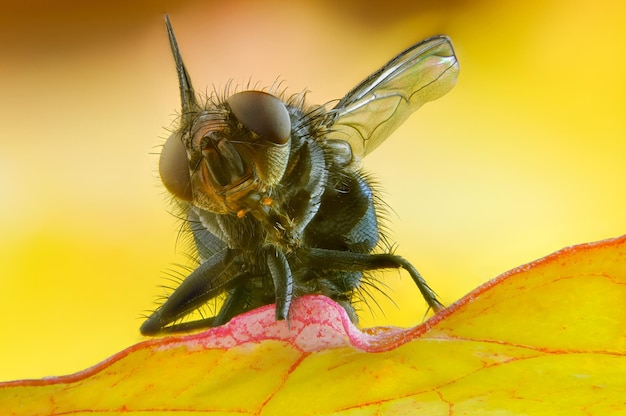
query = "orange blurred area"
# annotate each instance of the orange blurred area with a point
(525, 156)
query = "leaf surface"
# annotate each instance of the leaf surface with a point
(545, 338)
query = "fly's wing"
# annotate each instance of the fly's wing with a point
(369, 113)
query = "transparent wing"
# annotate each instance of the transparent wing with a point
(370, 112)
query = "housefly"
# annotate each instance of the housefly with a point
(273, 195)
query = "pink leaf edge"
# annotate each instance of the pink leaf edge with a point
(315, 323)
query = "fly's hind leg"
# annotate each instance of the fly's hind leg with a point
(349, 261)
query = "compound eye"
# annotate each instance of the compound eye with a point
(262, 113)
(174, 168)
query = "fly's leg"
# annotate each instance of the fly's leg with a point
(211, 278)
(233, 305)
(183, 327)
(283, 280)
(349, 261)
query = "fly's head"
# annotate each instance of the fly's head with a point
(226, 155)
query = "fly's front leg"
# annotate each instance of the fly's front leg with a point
(233, 305)
(349, 261)
(283, 280)
(211, 278)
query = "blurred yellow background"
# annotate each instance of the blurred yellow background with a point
(525, 156)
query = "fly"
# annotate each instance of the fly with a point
(273, 194)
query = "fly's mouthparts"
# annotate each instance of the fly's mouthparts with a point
(224, 166)
(213, 169)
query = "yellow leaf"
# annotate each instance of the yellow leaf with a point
(545, 338)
